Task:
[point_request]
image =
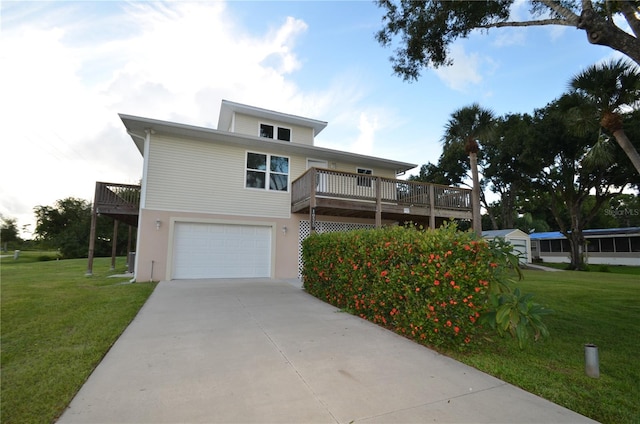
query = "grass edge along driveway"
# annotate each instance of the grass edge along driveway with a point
(590, 307)
(57, 325)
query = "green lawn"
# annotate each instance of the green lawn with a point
(57, 324)
(590, 307)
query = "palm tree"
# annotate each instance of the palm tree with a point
(465, 128)
(612, 88)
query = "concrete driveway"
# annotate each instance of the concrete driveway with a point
(264, 351)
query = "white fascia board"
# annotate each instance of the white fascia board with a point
(228, 108)
(137, 126)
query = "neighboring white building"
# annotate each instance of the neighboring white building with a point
(611, 246)
(518, 239)
(239, 200)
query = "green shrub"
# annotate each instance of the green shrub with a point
(432, 286)
(45, 258)
(429, 285)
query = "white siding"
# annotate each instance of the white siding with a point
(199, 176)
(353, 168)
(249, 125)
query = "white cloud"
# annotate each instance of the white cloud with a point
(61, 93)
(505, 37)
(520, 10)
(367, 127)
(557, 32)
(465, 70)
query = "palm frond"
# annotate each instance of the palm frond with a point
(601, 155)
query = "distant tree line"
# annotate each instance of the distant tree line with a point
(567, 167)
(66, 227)
(9, 234)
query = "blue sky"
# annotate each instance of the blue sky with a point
(68, 68)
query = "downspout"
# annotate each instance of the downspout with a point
(143, 188)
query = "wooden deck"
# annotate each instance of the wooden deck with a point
(118, 201)
(334, 193)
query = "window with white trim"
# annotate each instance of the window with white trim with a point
(269, 131)
(267, 172)
(364, 181)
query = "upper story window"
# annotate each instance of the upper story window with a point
(364, 181)
(267, 172)
(281, 133)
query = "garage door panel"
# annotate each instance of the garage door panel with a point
(221, 251)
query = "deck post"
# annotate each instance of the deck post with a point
(432, 206)
(114, 244)
(92, 231)
(312, 200)
(129, 244)
(378, 202)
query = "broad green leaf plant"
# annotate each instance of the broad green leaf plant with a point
(511, 311)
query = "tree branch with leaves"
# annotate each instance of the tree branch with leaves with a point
(427, 28)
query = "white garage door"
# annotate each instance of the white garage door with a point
(203, 250)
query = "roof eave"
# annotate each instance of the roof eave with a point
(227, 109)
(138, 126)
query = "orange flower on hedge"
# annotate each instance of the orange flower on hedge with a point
(456, 329)
(384, 273)
(436, 283)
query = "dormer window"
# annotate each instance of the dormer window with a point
(284, 134)
(268, 131)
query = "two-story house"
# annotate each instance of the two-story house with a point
(238, 200)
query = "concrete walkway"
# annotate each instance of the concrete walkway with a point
(543, 268)
(264, 351)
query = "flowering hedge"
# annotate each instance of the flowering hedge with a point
(429, 285)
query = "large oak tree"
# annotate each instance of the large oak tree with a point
(427, 28)
(575, 188)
